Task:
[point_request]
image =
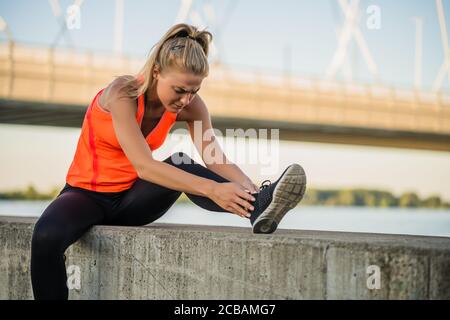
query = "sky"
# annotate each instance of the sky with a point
(254, 34)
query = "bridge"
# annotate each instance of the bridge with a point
(54, 86)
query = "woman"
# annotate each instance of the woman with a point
(114, 180)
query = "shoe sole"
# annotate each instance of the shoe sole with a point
(287, 194)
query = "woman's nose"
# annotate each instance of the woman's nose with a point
(186, 98)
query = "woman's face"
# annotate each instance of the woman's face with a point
(176, 89)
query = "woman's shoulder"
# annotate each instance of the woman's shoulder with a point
(196, 110)
(115, 90)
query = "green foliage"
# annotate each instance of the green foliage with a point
(369, 198)
(433, 202)
(409, 200)
(30, 193)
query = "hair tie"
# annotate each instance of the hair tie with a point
(179, 46)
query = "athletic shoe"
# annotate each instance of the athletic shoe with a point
(275, 199)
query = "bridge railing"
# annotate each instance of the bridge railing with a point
(71, 76)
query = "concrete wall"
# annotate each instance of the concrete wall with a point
(166, 261)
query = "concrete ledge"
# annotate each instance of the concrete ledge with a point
(166, 261)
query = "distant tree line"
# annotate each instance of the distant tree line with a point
(30, 193)
(323, 197)
(370, 198)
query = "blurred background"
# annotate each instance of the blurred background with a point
(359, 91)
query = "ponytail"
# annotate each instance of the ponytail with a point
(183, 47)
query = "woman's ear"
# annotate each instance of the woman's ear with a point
(156, 72)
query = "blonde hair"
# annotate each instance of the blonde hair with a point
(183, 48)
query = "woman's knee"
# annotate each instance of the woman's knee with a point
(47, 238)
(179, 159)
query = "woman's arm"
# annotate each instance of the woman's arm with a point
(217, 163)
(233, 173)
(138, 152)
(229, 196)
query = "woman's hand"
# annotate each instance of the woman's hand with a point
(250, 186)
(233, 198)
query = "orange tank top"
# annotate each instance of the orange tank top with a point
(99, 163)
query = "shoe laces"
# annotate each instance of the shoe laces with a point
(265, 197)
(265, 184)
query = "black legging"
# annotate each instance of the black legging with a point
(75, 210)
